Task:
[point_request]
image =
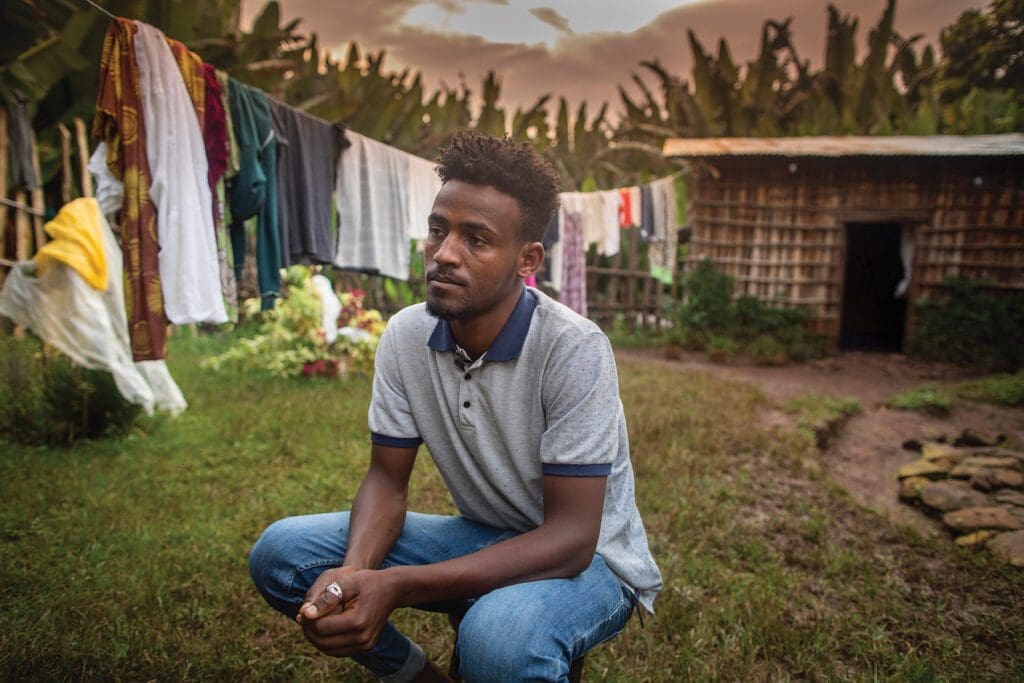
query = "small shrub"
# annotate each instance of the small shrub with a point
(766, 350)
(47, 399)
(966, 326)
(1007, 390)
(925, 399)
(708, 308)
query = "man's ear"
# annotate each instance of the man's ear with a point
(531, 258)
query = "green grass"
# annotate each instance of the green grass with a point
(924, 399)
(820, 417)
(125, 559)
(1004, 389)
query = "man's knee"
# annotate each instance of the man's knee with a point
(499, 644)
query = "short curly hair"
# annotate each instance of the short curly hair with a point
(509, 167)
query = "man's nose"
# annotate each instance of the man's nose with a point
(447, 252)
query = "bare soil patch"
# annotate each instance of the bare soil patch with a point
(866, 455)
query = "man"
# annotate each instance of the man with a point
(516, 398)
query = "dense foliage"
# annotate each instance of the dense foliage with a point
(291, 340)
(968, 325)
(709, 318)
(47, 399)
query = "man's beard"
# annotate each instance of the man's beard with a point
(450, 311)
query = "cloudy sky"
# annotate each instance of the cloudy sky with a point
(578, 48)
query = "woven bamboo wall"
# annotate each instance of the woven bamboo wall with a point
(778, 225)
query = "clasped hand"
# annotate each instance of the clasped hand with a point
(351, 625)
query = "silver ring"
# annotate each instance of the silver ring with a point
(334, 589)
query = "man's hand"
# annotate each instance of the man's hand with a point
(368, 599)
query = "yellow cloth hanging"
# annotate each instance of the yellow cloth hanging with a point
(77, 241)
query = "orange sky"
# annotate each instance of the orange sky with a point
(578, 48)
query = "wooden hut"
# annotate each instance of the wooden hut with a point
(836, 224)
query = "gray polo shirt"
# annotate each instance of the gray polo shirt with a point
(545, 400)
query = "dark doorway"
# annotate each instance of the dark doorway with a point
(873, 318)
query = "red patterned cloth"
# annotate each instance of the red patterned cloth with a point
(574, 268)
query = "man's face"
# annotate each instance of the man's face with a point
(472, 252)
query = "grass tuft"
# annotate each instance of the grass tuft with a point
(925, 399)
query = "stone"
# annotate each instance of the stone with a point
(974, 539)
(949, 495)
(910, 488)
(933, 469)
(912, 445)
(974, 437)
(976, 518)
(964, 471)
(941, 451)
(1008, 497)
(990, 461)
(1010, 547)
(1001, 453)
(992, 478)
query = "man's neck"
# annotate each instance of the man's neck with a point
(477, 334)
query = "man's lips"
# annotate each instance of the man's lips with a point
(443, 280)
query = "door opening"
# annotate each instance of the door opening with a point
(873, 316)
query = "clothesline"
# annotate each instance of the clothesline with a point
(112, 16)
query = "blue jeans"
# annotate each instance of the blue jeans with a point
(528, 631)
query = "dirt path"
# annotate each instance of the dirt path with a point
(865, 457)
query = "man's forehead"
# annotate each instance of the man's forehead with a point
(486, 201)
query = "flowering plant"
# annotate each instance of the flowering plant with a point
(292, 341)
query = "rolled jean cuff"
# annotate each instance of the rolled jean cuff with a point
(414, 663)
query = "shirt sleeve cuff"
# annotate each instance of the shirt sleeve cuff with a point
(395, 441)
(597, 470)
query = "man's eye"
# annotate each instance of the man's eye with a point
(435, 232)
(477, 241)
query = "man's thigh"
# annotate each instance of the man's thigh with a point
(535, 630)
(293, 552)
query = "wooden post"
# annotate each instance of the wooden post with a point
(66, 179)
(83, 157)
(38, 201)
(4, 154)
(22, 231)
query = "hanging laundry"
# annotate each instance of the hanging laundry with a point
(307, 156)
(373, 208)
(629, 207)
(573, 292)
(19, 130)
(599, 216)
(551, 270)
(662, 248)
(109, 190)
(76, 240)
(233, 154)
(189, 271)
(86, 323)
(646, 213)
(120, 125)
(215, 136)
(330, 307)
(254, 188)
(423, 184)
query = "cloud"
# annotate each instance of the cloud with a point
(591, 66)
(552, 18)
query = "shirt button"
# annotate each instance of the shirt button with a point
(468, 376)
(465, 404)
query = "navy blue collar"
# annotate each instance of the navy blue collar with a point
(509, 341)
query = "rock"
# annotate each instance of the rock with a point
(1010, 547)
(912, 445)
(1008, 497)
(964, 471)
(974, 437)
(941, 451)
(991, 461)
(934, 435)
(1001, 453)
(974, 539)
(989, 517)
(949, 495)
(932, 469)
(992, 478)
(910, 488)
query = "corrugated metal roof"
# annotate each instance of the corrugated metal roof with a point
(1009, 144)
